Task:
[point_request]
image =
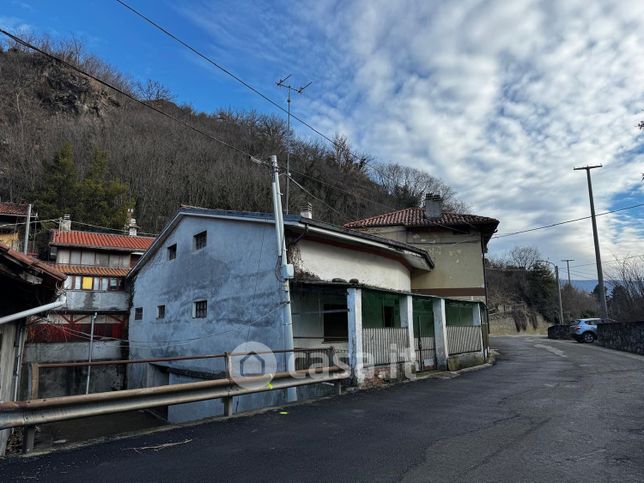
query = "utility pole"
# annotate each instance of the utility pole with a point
(568, 260)
(299, 90)
(561, 317)
(600, 274)
(25, 247)
(285, 274)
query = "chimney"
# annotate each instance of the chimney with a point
(433, 209)
(65, 224)
(307, 211)
(131, 223)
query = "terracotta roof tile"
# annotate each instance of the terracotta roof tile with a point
(90, 239)
(92, 270)
(415, 217)
(8, 208)
(39, 265)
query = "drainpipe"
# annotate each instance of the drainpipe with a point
(62, 300)
(89, 356)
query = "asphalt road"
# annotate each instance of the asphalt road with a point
(547, 411)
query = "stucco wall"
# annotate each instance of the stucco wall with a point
(327, 262)
(90, 300)
(235, 273)
(458, 261)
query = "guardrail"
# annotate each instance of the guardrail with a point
(40, 411)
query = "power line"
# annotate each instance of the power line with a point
(616, 260)
(567, 221)
(232, 75)
(131, 97)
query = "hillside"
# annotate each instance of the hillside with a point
(44, 106)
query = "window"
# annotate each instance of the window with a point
(115, 284)
(75, 257)
(62, 256)
(77, 282)
(87, 258)
(336, 324)
(200, 240)
(138, 313)
(87, 283)
(172, 252)
(160, 311)
(388, 316)
(200, 309)
(102, 259)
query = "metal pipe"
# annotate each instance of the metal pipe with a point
(48, 411)
(36, 310)
(89, 356)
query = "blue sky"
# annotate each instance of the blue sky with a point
(499, 99)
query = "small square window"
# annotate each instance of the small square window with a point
(160, 311)
(115, 284)
(200, 240)
(200, 309)
(138, 313)
(88, 282)
(172, 252)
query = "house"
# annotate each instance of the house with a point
(210, 282)
(13, 222)
(27, 287)
(96, 265)
(457, 243)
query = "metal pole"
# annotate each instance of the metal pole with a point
(600, 274)
(568, 260)
(288, 149)
(25, 247)
(89, 357)
(285, 275)
(561, 317)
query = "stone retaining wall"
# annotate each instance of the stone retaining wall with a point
(623, 336)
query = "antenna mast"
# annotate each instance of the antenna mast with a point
(299, 90)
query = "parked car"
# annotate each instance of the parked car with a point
(584, 330)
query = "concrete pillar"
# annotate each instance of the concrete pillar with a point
(407, 320)
(354, 307)
(440, 334)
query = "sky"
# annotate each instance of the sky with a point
(499, 99)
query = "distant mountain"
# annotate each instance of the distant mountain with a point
(589, 285)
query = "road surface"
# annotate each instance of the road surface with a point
(547, 411)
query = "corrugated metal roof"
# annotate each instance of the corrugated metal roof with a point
(92, 270)
(90, 239)
(17, 209)
(415, 217)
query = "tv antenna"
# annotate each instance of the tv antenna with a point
(282, 83)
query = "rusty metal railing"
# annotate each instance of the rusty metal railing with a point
(40, 411)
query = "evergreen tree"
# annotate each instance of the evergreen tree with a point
(57, 193)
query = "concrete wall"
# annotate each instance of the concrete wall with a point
(235, 273)
(623, 336)
(7, 365)
(90, 300)
(70, 381)
(327, 262)
(458, 260)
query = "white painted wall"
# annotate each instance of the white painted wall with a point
(328, 262)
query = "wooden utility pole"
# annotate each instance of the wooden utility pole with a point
(568, 260)
(600, 274)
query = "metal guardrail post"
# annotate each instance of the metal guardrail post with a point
(228, 401)
(29, 436)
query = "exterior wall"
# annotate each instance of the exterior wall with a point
(326, 262)
(458, 261)
(99, 301)
(235, 273)
(13, 240)
(7, 364)
(66, 381)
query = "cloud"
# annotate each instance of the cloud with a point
(500, 99)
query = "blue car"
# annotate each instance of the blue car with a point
(584, 330)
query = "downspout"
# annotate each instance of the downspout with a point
(62, 300)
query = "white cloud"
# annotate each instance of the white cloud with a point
(500, 99)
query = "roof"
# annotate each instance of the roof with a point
(415, 217)
(88, 239)
(31, 262)
(92, 270)
(413, 256)
(15, 209)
